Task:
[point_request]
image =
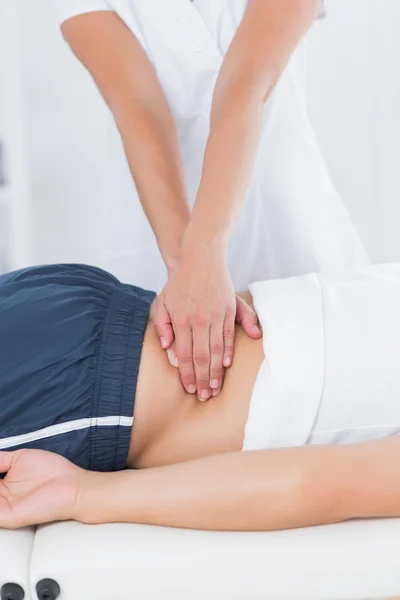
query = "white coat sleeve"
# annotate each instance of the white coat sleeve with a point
(67, 9)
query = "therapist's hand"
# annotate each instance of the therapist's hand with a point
(197, 310)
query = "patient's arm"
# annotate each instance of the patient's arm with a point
(266, 490)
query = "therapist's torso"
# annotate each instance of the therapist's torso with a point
(292, 221)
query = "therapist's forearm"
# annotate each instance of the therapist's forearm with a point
(130, 87)
(152, 149)
(266, 490)
(236, 123)
(257, 56)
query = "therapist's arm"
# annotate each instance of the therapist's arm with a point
(129, 85)
(243, 491)
(200, 296)
(268, 35)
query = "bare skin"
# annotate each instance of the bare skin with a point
(171, 425)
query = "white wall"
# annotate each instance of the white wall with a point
(354, 89)
(354, 103)
(66, 132)
(14, 216)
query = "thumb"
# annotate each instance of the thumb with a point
(163, 325)
(247, 318)
(6, 459)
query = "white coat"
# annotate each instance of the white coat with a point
(292, 221)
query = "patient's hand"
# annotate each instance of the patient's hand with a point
(39, 487)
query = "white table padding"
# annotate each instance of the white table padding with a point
(15, 555)
(350, 561)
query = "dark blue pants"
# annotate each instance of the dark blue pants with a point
(70, 343)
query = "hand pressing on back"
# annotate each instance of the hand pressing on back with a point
(194, 316)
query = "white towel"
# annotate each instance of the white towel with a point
(332, 367)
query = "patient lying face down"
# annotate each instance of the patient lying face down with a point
(83, 373)
(81, 363)
(82, 376)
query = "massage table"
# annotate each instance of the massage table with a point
(358, 560)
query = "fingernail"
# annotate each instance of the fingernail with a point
(192, 388)
(214, 384)
(176, 362)
(227, 361)
(214, 393)
(205, 394)
(163, 343)
(256, 329)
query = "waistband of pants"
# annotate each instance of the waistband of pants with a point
(116, 377)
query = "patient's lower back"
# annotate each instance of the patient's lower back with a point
(173, 426)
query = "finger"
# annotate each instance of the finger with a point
(229, 339)
(247, 318)
(217, 356)
(172, 357)
(6, 459)
(202, 358)
(163, 326)
(184, 352)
